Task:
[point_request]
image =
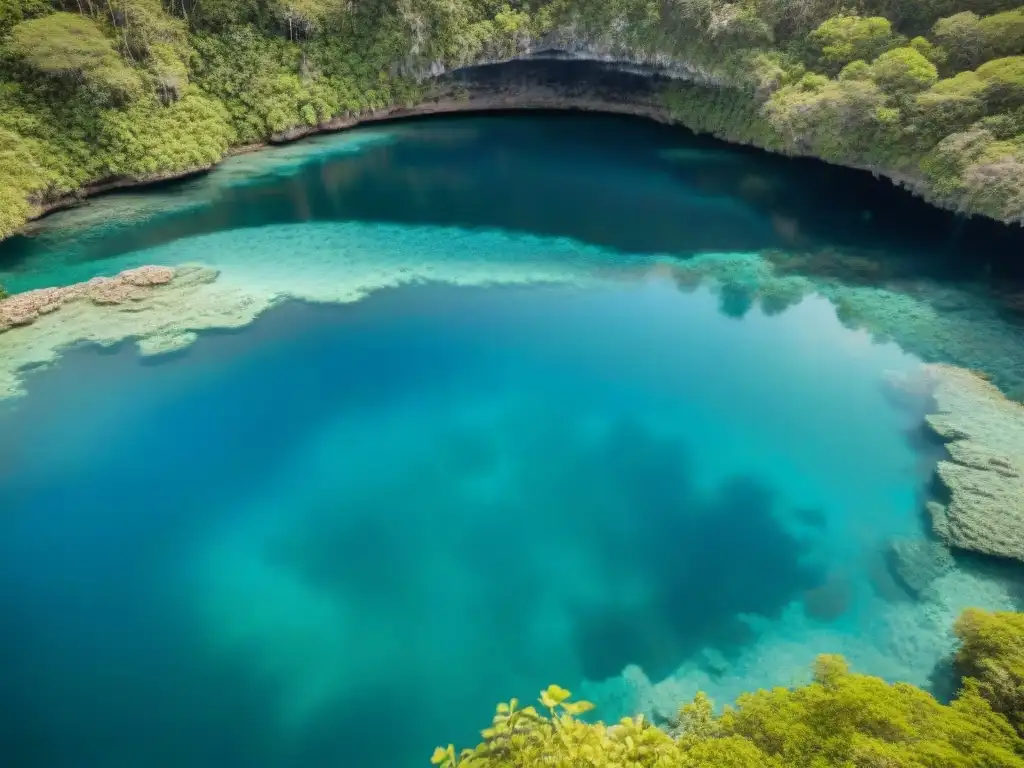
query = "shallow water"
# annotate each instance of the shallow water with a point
(341, 534)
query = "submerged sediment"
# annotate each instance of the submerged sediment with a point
(163, 308)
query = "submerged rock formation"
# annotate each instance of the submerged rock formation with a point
(131, 285)
(918, 564)
(984, 475)
(161, 307)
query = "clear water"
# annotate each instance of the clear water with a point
(341, 534)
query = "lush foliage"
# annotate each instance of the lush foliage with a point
(841, 719)
(928, 91)
(992, 652)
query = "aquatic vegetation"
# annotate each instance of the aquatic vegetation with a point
(841, 718)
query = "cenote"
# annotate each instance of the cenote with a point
(523, 399)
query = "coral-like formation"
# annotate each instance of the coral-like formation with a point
(161, 307)
(985, 472)
(132, 285)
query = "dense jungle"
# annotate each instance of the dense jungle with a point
(927, 92)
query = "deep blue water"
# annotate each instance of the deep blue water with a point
(338, 536)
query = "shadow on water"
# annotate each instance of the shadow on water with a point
(703, 559)
(624, 509)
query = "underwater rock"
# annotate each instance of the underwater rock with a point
(984, 434)
(917, 564)
(160, 307)
(830, 599)
(130, 285)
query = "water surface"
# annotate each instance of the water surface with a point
(341, 534)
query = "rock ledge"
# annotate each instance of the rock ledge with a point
(984, 475)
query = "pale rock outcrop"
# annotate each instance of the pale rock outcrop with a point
(131, 285)
(984, 475)
(160, 307)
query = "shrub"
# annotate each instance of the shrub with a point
(841, 719)
(1003, 33)
(992, 653)
(843, 39)
(903, 71)
(70, 45)
(1004, 81)
(962, 38)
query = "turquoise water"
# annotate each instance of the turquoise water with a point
(339, 535)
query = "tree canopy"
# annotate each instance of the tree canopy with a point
(926, 90)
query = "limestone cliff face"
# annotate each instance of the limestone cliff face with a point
(568, 42)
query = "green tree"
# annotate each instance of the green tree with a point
(839, 120)
(302, 19)
(13, 12)
(960, 35)
(843, 39)
(992, 653)
(1003, 33)
(903, 71)
(1004, 82)
(70, 45)
(970, 40)
(948, 106)
(841, 719)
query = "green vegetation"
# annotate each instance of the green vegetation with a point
(930, 92)
(992, 653)
(841, 719)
